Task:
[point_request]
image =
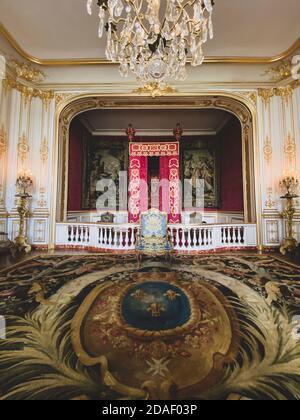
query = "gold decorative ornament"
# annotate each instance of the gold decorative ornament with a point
(281, 72)
(27, 72)
(266, 95)
(28, 92)
(44, 150)
(268, 150)
(3, 141)
(285, 93)
(290, 148)
(23, 148)
(270, 203)
(290, 185)
(23, 184)
(155, 90)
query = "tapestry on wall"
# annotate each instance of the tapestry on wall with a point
(201, 161)
(103, 159)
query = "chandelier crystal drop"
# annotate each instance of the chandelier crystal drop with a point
(152, 38)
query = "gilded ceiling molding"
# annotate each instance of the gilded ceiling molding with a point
(95, 61)
(281, 72)
(27, 72)
(3, 141)
(28, 92)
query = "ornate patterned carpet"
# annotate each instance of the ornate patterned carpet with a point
(94, 327)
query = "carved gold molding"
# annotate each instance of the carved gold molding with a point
(3, 141)
(268, 150)
(42, 203)
(155, 90)
(290, 148)
(266, 95)
(285, 92)
(28, 92)
(44, 150)
(27, 72)
(95, 61)
(270, 203)
(281, 72)
(59, 98)
(23, 148)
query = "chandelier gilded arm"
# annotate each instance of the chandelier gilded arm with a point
(152, 38)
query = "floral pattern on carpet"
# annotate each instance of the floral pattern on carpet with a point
(237, 335)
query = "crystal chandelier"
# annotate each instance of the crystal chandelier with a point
(152, 40)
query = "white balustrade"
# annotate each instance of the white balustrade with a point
(185, 238)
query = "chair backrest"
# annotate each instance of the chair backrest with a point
(154, 223)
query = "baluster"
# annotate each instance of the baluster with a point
(69, 233)
(243, 235)
(177, 238)
(126, 239)
(110, 237)
(189, 239)
(239, 238)
(119, 236)
(105, 236)
(100, 236)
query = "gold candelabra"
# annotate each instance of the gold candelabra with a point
(290, 185)
(23, 184)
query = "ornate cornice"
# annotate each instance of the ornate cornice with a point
(285, 92)
(28, 92)
(27, 72)
(281, 72)
(266, 95)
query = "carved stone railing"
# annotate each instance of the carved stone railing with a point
(185, 238)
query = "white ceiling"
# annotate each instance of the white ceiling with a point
(62, 29)
(155, 121)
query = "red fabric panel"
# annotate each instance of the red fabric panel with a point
(170, 187)
(231, 167)
(138, 191)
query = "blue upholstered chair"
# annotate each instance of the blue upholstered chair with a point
(154, 239)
